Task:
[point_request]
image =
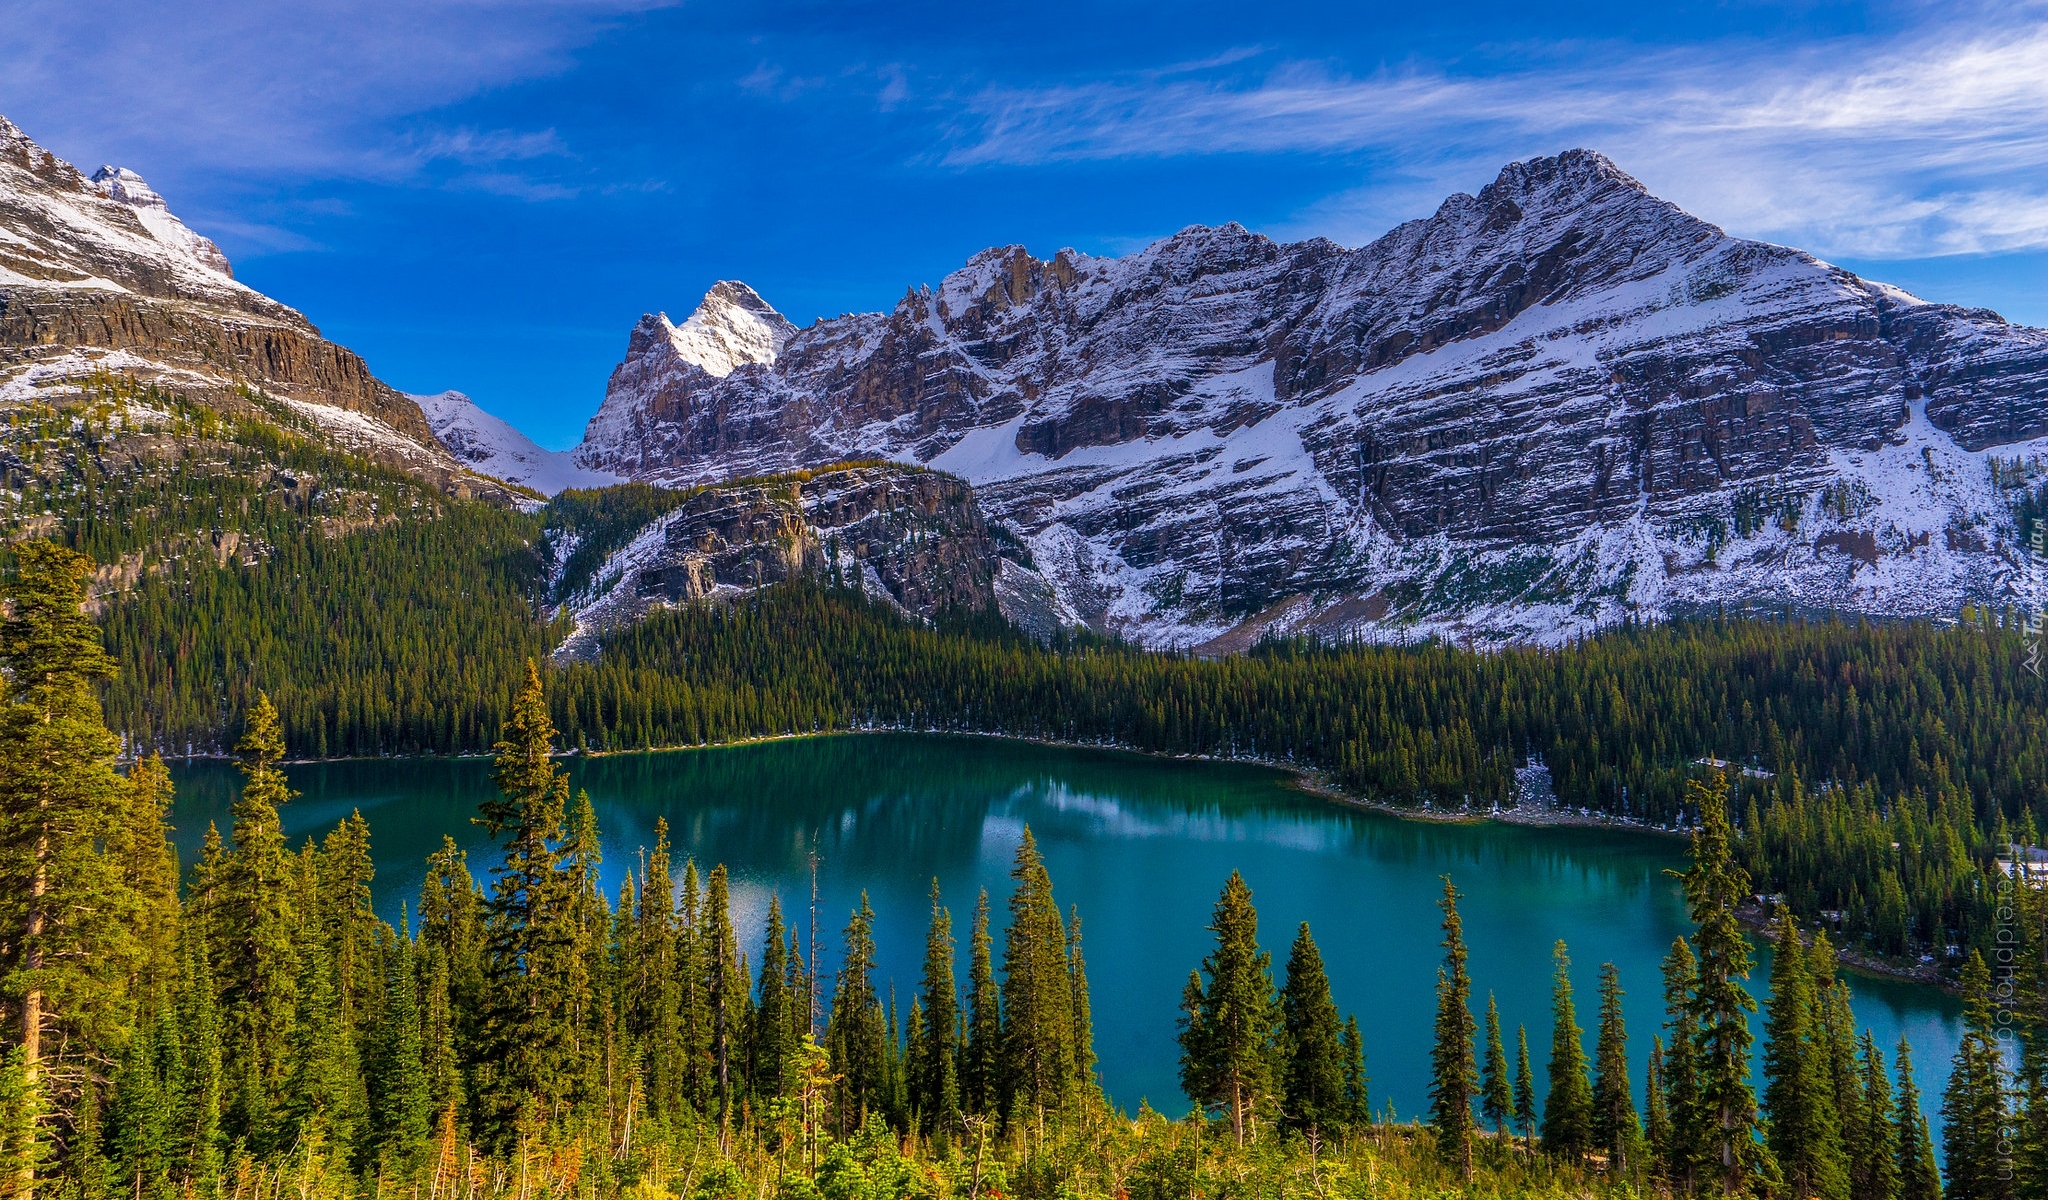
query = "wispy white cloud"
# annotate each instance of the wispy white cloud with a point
(326, 88)
(1901, 147)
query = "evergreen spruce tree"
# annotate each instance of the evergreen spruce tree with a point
(1919, 1179)
(1874, 1156)
(590, 983)
(528, 1038)
(401, 1098)
(1357, 1086)
(1976, 1156)
(440, 1058)
(934, 1068)
(1835, 1029)
(1497, 1102)
(142, 1115)
(69, 908)
(1084, 1012)
(452, 924)
(1656, 1106)
(726, 986)
(1568, 1109)
(340, 906)
(1525, 1088)
(1453, 1076)
(1682, 1157)
(1038, 992)
(854, 1034)
(1227, 1026)
(202, 1081)
(1718, 1008)
(1313, 1098)
(777, 1023)
(259, 923)
(1615, 1127)
(981, 1058)
(691, 1040)
(324, 1101)
(151, 869)
(1804, 1130)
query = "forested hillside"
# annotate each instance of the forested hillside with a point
(259, 1032)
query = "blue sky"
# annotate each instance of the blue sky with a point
(485, 194)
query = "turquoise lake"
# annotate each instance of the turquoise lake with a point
(1141, 845)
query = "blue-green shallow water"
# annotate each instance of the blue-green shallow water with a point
(1142, 845)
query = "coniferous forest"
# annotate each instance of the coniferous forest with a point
(244, 1026)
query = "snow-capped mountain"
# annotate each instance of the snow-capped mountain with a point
(97, 274)
(491, 446)
(1547, 407)
(125, 186)
(732, 328)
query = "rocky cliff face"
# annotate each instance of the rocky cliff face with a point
(914, 539)
(1549, 406)
(96, 274)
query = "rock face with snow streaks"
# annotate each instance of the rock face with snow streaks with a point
(911, 538)
(1550, 406)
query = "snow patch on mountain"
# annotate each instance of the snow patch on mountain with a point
(491, 446)
(732, 326)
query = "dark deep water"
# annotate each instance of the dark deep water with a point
(1141, 845)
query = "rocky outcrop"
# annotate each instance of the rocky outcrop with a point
(1556, 404)
(912, 538)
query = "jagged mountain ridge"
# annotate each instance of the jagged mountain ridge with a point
(97, 275)
(1546, 407)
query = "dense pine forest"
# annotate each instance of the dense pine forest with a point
(247, 1027)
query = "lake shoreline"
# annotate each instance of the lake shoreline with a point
(1308, 780)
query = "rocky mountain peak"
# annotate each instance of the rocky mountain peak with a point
(124, 186)
(111, 232)
(732, 327)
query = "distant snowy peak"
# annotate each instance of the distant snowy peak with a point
(665, 363)
(126, 187)
(490, 446)
(732, 327)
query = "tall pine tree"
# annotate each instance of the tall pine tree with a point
(1497, 1102)
(1615, 1128)
(1453, 1075)
(527, 1065)
(1976, 1155)
(1717, 1010)
(1038, 991)
(1805, 1132)
(68, 904)
(1919, 1179)
(1312, 1087)
(934, 1070)
(1568, 1109)
(1227, 1024)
